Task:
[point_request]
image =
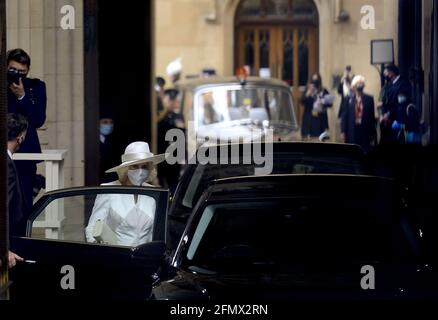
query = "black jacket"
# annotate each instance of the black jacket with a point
(314, 126)
(390, 99)
(33, 107)
(18, 206)
(364, 133)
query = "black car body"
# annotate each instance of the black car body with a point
(68, 267)
(284, 237)
(286, 158)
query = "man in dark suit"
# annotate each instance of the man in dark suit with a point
(169, 119)
(358, 125)
(17, 205)
(397, 96)
(109, 147)
(26, 97)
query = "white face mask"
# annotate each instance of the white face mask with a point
(137, 177)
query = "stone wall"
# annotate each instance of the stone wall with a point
(57, 59)
(182, 30)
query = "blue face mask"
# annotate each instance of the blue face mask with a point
(106, 129)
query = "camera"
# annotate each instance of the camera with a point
(13, 76)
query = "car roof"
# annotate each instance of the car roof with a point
(297, 185)
(220, 81)
(311, 148)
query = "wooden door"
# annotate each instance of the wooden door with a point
(288, 52)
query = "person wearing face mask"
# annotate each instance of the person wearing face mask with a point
(109, 148)
(26, 96)
(397, 96)
(358, 125)
(129, 217)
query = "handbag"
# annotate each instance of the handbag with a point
(103, 233)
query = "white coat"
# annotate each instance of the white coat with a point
(132, 222)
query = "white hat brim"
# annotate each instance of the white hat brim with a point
(154, 159)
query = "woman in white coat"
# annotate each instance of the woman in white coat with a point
(130, 217)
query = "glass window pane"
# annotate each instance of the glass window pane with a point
(250, 8)
(255, 104)
(249, 48)
(303, 56)
(278, 7)
(303, 8)
(264, 48)
(106, 218)
(288, 56)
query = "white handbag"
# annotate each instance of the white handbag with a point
(103, 233)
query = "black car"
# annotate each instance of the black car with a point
(284, 237)
(285, 158)
(271, 237)
(61, 264)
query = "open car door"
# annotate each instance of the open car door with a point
(61, 264)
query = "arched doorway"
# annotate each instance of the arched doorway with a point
(279, 37)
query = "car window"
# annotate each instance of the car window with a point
(283, 164)
(102, 218)
(307, 230)
(258, 104)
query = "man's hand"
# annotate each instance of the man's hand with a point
(13, 259)
(17, 89)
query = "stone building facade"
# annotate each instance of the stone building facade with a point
(57, 59)
(205, 34)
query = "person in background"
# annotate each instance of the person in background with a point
(315, 100)
(358, 125)
(397, 96)
(108, 147)
(344, 89)
(170, 119)
(27, 97)
(160, 83)
(17, 204)
(130, 217)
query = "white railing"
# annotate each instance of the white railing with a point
(54, 170)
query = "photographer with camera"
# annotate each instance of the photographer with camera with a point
(27, 97)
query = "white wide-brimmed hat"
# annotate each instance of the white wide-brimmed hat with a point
(137, 153)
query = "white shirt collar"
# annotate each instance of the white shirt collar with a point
(102, 138)
(396, 79)
(10, 154)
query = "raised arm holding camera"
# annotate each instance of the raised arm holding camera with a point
(27, 97)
